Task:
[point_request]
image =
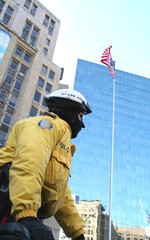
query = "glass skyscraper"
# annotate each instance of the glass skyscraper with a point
(90, 172)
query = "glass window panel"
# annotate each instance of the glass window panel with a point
(15, 93)
(7, 119)
(26, 30)
(27, 57)
(33, 112)
(13, 65)
(45, 51)
(8, 79)
(6, 87)
(51, 27)
(44, 69)
(37, 96)
(19, 77)
(22, 71)
(13, 101)
(47, 42)
(11, 71)
(4, 128)
(44, 103)
(7, 15)
(18, 51)
(33, 37)
(46, 20)
(3, 95)
(10, 110)
(18, 85)
(27, 4)
(2, 138)
(1, 5)
(40, 82)
(51, 75)
(48, 87)
(33, 9)
(27, 25)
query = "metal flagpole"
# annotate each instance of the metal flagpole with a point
(112, 154)
(107, 60)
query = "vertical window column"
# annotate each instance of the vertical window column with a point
(26, 30)
(7, 15)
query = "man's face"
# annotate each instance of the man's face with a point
(77, 125)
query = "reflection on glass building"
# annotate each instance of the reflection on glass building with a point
(131, 163)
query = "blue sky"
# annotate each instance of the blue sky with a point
(4, 40)
(88, 27)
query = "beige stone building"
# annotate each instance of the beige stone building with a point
(96, 221)
(132, 233)
(27, 72)
(91, 212)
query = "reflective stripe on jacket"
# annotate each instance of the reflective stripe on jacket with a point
(40, 151)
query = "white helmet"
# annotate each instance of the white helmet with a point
(65, 98)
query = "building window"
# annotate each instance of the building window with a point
(51, 27)
(47, 42)
(1, 5)
(7, 15)
(44, 103)
(21, 74)
(33, 9)
(37, 96)
(18, 51)
(77, 199)
(7, 119)
(51, 75)
(48, 88)
(26, 30)
(46, 20)
(12, 101)
(27, 4)
(27, 57)
(13, 65)
(44, 69)
(33, 36)
(33, 112)
(18, 85)
(2, 138)
(8, 79)
(11, 72)
(45, 51)
(22, 71)
(40, 82)
(3, 95)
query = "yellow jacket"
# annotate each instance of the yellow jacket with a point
(40, 150)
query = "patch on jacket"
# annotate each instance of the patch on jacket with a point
(44, 123)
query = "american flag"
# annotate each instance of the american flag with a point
(107, 60)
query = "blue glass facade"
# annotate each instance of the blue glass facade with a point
(131, 163)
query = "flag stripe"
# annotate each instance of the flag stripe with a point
(107, 60)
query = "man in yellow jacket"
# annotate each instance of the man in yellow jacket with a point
(39, 150)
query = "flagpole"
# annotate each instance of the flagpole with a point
(112, 155)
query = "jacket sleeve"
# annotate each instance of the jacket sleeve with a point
(33, 150)
(68, 217)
